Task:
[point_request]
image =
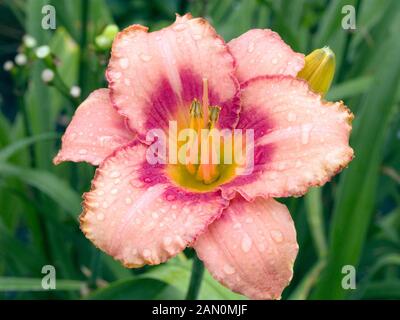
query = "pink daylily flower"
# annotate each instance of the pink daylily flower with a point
(141, 213)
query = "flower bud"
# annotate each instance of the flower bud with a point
(47, 75)
(21, 59)
(8, 65)
(319, 70)
(75, 92)
(105, 40)
(29, 41)
(42, 52)
(111, 31)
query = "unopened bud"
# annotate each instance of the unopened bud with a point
(319, 70)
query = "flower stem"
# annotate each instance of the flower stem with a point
(195, 279)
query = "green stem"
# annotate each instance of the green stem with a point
(95, 268)
(195, 279)
(313, 202)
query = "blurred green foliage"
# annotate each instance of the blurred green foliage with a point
(354, 220)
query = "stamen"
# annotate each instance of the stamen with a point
(196, 123)
(214, 114)
(208, 172)
(205, 100)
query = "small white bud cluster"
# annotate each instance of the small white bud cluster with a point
(8, 65)
(75, 91)
(21, 59)
(47, 75)
(42, 52)
(29, 41)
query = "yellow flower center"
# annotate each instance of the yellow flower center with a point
(204, 167)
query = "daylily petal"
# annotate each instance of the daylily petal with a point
(251, 248)
(95, 131)
(300, 140)
(136, 215)
(262, 52)
(155, 76)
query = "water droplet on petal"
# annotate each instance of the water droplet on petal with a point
(274, 61)
(228, 269)
(146, 253)
(237, 225)
(73, 136)
(291, 117)
(100, 217)
(83, 151)
(197, 36)
(250, 48)
(180, 27)
(276, 235)
(170, 197)
(246, 243)
(145, 57)
(305, 134)
(128, 200)
(115, 174)
(124, 63)
(167, 241)
(114, 191)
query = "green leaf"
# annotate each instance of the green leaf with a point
(135, 289)
(51, 185)
(357, 188)
(31, 284)
(313, 202)
(177, 273)
(389, 289)
(14, 147)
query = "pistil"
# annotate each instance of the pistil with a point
(203, 119)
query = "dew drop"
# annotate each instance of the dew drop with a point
(180, 27)
(145, 57)
(276, 235)
(146, 253)
(73, 136)
(170, 197)
(128, 200)
(115, 174)
(124, 63)
(237, 225)
(291, 117)
(305, 134)
(246, 243)
(83, 151)
(100, 217)
(274, 61)
(114, 191)
(249, 220)
(197, 36)
(167, 241)
(154, 215)
(250, 48)
(228, 269)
